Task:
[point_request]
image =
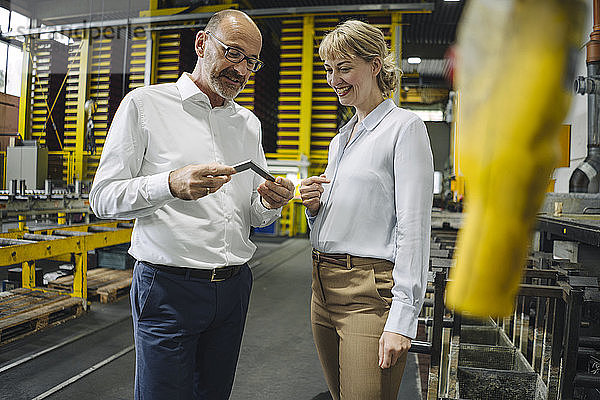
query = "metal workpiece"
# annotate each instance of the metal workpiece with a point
(18, 200)
(48, 187)
(14, 242)
(22, 187)
(567, 204)
(37, 237)
(61, 232)
(12, 187)
(77, 188)
(102, 229)
(32, 204)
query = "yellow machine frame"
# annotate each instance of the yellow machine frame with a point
(77, 246)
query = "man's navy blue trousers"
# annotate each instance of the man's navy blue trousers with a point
(188, 333)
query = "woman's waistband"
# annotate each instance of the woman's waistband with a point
(344, 259)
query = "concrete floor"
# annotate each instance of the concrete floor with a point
(278, 359)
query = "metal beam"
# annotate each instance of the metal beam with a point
(19, 251)
(82, 94)
(306, 83)
(261, 12)
(150, 57)
(341, 9)
(176, 10)
(25, 99)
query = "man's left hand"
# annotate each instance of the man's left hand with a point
(391, 347)
(276, 194)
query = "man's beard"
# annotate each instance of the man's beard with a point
(227, 90)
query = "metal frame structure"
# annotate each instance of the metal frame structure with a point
(25, 248)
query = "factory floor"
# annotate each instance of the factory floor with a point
(92, 356)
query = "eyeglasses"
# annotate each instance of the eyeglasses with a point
(237, 56)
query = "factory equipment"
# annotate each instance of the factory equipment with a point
(28, 163)
(586, 177)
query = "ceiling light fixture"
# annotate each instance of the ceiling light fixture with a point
(414, 60)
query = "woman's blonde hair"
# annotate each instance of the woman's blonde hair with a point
(364, 41)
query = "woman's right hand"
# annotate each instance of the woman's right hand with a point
(310, 192)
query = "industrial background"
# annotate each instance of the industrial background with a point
(65, 329)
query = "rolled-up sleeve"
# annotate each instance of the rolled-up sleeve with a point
(413, 175)
(117, 191)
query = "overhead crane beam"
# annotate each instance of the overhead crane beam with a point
(365, 9)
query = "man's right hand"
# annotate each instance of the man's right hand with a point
(198, 180)
(310, 192)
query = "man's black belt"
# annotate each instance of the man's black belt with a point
(213, 275)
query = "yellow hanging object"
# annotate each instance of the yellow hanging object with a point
(514, 73)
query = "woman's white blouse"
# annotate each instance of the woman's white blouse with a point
(379, 201)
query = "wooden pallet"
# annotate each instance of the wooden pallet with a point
(26, 311)
(104, 284)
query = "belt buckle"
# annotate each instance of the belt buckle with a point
(213, 276)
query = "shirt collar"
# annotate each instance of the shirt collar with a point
(373, 118)
(376, 116)
(349, 125)
(189, 91)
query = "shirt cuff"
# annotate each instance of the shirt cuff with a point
(402, 319)
(266, 215)
(158, 188)
(310, 218)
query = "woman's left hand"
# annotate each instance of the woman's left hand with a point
(391, 347)
(276, 194)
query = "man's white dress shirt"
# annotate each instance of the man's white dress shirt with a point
(378, 203)
(158, 129)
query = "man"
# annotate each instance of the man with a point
(166, 162)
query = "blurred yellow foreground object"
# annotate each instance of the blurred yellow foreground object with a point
(514, 74)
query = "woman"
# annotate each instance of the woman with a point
(370, 215)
